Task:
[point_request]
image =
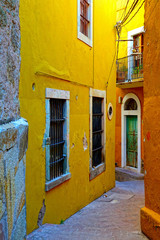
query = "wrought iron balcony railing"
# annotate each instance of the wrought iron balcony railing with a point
(130, 68)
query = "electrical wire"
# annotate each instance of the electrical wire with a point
(124, 21)
(132, 8)
(119, 26)
(111, 66)
(129, 11)
(134, 14)
(124, 12)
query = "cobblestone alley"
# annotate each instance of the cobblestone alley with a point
(115, 215)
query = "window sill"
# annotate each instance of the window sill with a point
(55, 182)
(84, 39)
(96, 171)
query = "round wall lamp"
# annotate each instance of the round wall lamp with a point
(110, 111)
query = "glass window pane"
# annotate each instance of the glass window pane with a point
(130, 104)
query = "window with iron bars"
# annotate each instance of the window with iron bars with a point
(97, 131)
(56, 138)
(57, 156)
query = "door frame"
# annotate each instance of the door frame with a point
(125, 113)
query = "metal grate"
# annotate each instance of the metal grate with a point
(130, 68)
(130, 104)
(97, 131)
(56, 138)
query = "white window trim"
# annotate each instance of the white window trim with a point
(81, 36)
(131, 34)
(94, 172)
(58, 94)
(125, 113)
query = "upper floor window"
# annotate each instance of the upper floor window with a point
(85, 21)
(138, 43)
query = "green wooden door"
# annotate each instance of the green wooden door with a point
(131, 141)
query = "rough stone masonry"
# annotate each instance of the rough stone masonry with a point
(13, 129)
(9, 60)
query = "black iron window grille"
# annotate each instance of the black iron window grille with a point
(57, 157)
(97, 131)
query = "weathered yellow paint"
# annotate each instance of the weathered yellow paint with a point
(46, 70)
(136, 22)
(53, 57)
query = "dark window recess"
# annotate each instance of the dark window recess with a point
(130, 104)
(84, 17)
(57, 157)
(110, 111)
(97, 132)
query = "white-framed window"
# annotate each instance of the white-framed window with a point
(97, 132)
(131, 35)
(57, 137)
(85, 13)
(135, 51)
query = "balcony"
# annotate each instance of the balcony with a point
(130, 71)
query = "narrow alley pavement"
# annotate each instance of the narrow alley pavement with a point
(115, 215)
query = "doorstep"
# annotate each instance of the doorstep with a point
(123, 175)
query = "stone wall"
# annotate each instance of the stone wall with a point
(13, 129)
(9, 60)
(13, 145)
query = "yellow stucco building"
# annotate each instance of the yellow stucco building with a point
(132, 24)
(129, 91)
(67, 84)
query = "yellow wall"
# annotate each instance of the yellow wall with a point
(50, 44)
(136, 22)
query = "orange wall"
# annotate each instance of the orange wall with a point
(150, 215)
(152, 108)
(121, 93)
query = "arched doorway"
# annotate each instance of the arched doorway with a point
(131, 132)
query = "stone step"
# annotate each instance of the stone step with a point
(123, 175)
